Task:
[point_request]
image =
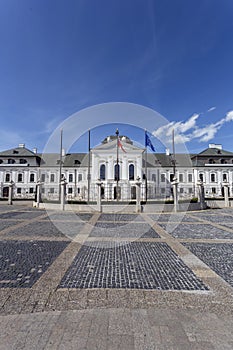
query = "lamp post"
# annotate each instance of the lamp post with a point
(38, 193)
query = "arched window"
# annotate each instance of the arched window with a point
(117, 172)
(102, 172)
(22, 161)
(211, 161)
(11, 161)
(20, 177)
(131, 172)
(7, 178)
(32, 177)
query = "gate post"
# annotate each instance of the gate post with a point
(99, 206)
(226, 194)
(10, 195)
(38, 193)
(63, 192)
(138, 195)
(175, 193)
(201, 194)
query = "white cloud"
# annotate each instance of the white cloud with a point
(189, 130)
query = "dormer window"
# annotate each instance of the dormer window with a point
(11, 161)
(77, 162)
(15, 152)
(211, 161)
(22, 161)
(1, 161)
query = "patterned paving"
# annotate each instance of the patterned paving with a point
(217, 256)
(129, 230)
(21, 214)
(135, 265)
(47, 229)
(23, 263)
(120, 217)
(203, 231)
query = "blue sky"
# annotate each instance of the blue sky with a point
(60, 56)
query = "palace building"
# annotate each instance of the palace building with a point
(118, 164)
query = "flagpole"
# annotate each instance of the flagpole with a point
(145, 166)
(60, 167)
(89, 163)
(174, 155)
(117, 165)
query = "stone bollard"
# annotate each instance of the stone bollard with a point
(99, 183)
(175, 193)
(201, 194)
(10, 195)
(138, 195)
(63, 192)
(226, 193)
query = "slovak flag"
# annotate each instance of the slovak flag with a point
(148, 142)
(121, 146)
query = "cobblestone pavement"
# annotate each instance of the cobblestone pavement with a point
(110, 281)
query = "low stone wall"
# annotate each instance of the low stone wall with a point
(213, 203)
(111, 208)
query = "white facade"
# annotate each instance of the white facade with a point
(24, 167)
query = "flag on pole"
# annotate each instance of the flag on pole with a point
(121, 146)
(148, 142)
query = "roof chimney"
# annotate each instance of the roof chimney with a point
(21, 145)
(34, 150)
(63, 152)
(167, 152)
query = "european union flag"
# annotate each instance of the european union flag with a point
(149, 143)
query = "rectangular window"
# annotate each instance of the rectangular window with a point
(162, 190)
(20, 177)
(190, 190)
(52, 190)
(163, 177)
(154, 177)
(181, 190)
(70, 190)
(80, 177)
(70, 177)
(190, 177)
(43, 177)
(42, 190)
(201, 177)
(181, 177)
(7, 178)
(212, 178)
(224, 177)
(19, 190)
(171, 177)
(78, 190)
(52, 177)
(31, 190)
(213, 189)
(32, 177)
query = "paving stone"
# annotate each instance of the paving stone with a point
(22, 263)
(27, 215)
(132, 230)
(6, 223)
(135, 265)
(116, 217)
(48, 229)
(69, 216)
(218, 257)
(204, 231)
(171, 217)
